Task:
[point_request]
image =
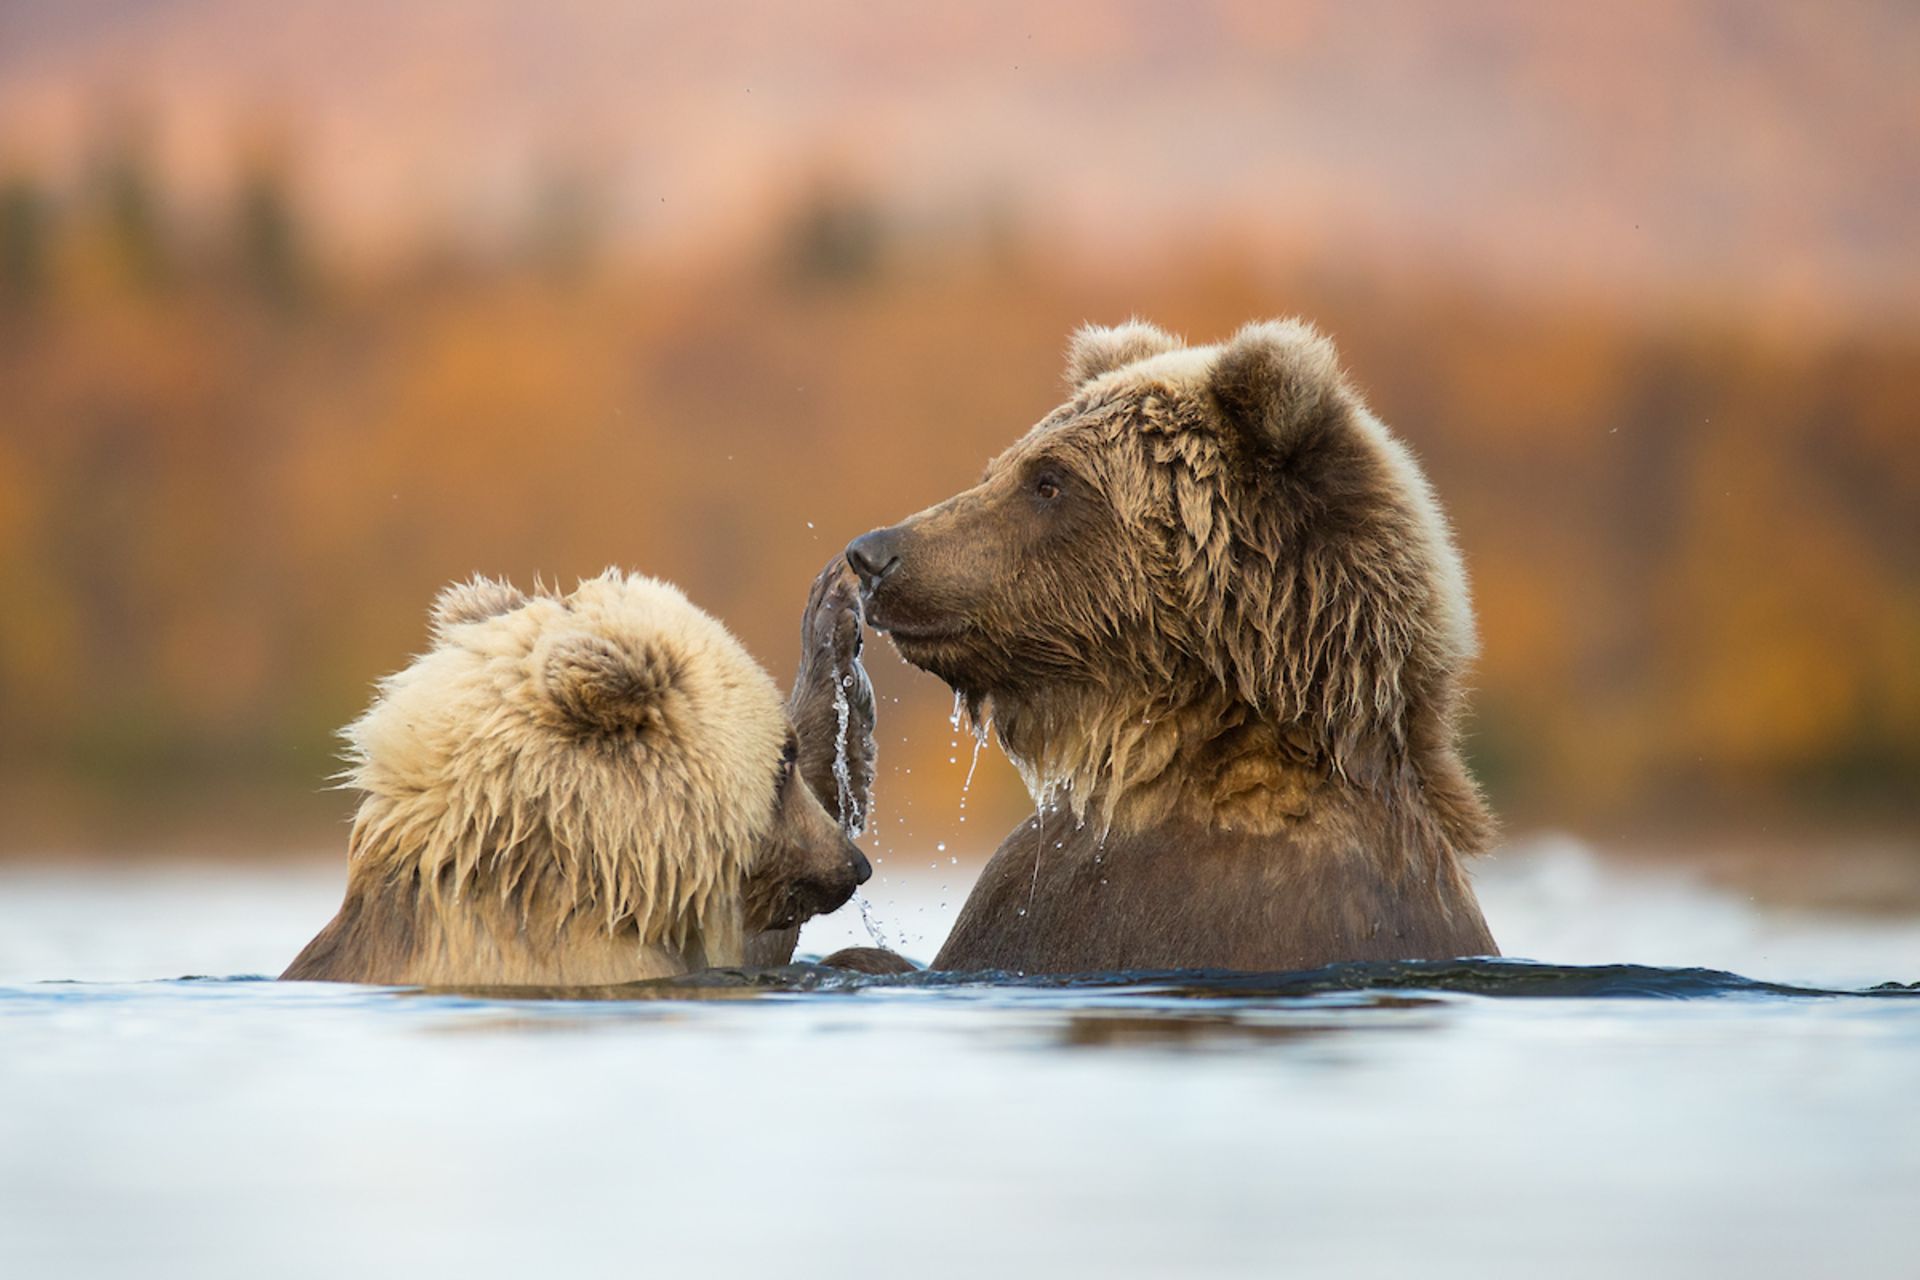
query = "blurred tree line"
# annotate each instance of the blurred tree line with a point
(234, 468)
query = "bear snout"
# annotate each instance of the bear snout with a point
(895, 599)
(874, 555)
(832, 892)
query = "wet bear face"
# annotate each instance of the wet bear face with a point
(1056, 565)
(1020, 578)
(1224, 518)
(806, 865)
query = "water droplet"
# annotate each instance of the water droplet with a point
(941, 847)
(866, 918)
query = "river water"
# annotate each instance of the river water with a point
(1632, 1107)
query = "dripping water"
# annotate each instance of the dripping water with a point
(866, 919)
(851, 821)
(979, 741)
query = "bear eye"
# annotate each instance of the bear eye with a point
(1046, 488)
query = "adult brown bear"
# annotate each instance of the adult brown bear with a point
(1212, 610)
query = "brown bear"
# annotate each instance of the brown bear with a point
(595, 788)
(1211, 609)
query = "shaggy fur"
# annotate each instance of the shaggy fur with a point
(1211, 608)
(583, 789)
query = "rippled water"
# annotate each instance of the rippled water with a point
(1647, 1116)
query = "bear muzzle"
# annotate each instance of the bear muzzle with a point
(895, 600)
(813, 896)
(873, 556)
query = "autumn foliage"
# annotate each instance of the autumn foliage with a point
(233, 472)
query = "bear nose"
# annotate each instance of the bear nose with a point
(862, 869)
(874, 555)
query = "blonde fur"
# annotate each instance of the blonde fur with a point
(561, 789)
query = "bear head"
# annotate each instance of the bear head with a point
(1223, 534)
(612, 754)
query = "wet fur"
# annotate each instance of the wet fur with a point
(1185, 896)
(576, 790)
(1234, 647)
(398, 932)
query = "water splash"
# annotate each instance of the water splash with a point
(866, 919)
(851, 821)
(854, 812)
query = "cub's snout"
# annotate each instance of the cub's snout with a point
(816, 896)
(807, 866)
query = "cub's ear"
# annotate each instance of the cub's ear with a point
(600, 686)
(1280, 383)
(1095, 349)
(474, 600)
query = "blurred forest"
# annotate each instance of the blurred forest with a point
(237, 458)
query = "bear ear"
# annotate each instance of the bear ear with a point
(474, 600)
(598, 685)
(1280, 383)
(1096, 349)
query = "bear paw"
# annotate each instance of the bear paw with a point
(873, 960)
(832, 699)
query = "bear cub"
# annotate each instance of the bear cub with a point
(595, 788)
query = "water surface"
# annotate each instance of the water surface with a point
(1630, 1117)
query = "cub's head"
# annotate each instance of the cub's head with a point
(614, 752)
(1224, 519)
